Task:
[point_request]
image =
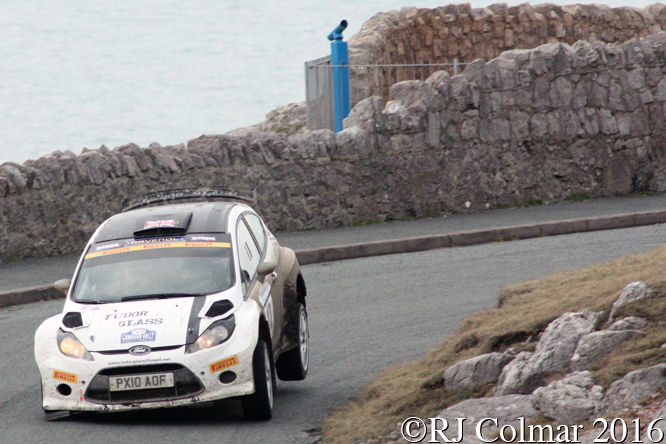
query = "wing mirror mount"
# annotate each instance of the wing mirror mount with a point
(264, 269)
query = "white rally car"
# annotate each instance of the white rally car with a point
(176, 304)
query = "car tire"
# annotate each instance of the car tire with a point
(293, 365)
(259, 405)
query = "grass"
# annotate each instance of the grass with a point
(523, 312)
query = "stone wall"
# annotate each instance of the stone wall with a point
(532, 125)
(440, 35)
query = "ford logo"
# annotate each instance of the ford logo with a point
(139, 350)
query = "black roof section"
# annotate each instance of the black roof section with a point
(167, 220)
(171, 196)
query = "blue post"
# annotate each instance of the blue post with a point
(340, 62)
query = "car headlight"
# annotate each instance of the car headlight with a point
(72, 347)
(216, 334)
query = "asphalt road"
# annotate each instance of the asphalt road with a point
(40, 271)
(365, 315)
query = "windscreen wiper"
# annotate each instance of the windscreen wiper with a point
(160, 296)
(90, 301)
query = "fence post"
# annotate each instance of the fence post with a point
(456, 64)
(340, 62)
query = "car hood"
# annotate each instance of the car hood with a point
(153, 322)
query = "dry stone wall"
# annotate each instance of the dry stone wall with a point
(531, 125)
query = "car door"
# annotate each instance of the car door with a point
(250, 255)
(270, 253)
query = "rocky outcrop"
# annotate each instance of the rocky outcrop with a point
(553, 353)
(593, 346)
(507, 410)
(287, 119)
(475, 372)
(633, 387)
(567, 345)
(632, 292)
(570, 400)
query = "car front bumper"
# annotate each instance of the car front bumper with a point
(79, 385)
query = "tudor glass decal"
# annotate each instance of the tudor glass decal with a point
(225, 363)
(137, 335)
(64, 376)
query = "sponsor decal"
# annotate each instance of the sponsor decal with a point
(129, 314)
(89, 308)
(225, 363)
(139, 361)
(140, 246)
(137, 335)
(155, 241)
(64, 376)
(136, 322)
(149, 224)
(107, 247)
(263, 297)
(140, 350)
(204, 238)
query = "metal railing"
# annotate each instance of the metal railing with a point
(364, 81)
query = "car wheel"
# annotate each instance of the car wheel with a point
(259, 405)
(293, 365)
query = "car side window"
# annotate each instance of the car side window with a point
(257, 229)
(248, 254)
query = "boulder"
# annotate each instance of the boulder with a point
(628, 323)
(633, 387)
(506, 409)
(597, 344)
(553, 354)
(475, 372)
(569, 400)
(632, 292)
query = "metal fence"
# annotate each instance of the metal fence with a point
(319, 94)
(364, 81)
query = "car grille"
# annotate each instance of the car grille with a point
(185, 384)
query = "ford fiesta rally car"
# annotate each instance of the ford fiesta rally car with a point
(175, 305)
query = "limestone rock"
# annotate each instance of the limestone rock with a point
(507, 410)
(597, 344)
(570, 400)
(475, 372)
(633, 387)
(632, 292)
(628, 323)
(553, 353)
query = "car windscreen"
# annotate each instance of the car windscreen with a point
(156, 267)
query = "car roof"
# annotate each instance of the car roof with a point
(168, 220)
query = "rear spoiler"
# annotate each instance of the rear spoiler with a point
(169, 196)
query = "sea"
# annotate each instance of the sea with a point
(86, 73)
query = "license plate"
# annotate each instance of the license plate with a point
(140, 382)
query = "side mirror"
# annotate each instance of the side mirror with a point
(62, 285)
(264, 269)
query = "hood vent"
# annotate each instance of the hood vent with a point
(219, 308)
(72, 319)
